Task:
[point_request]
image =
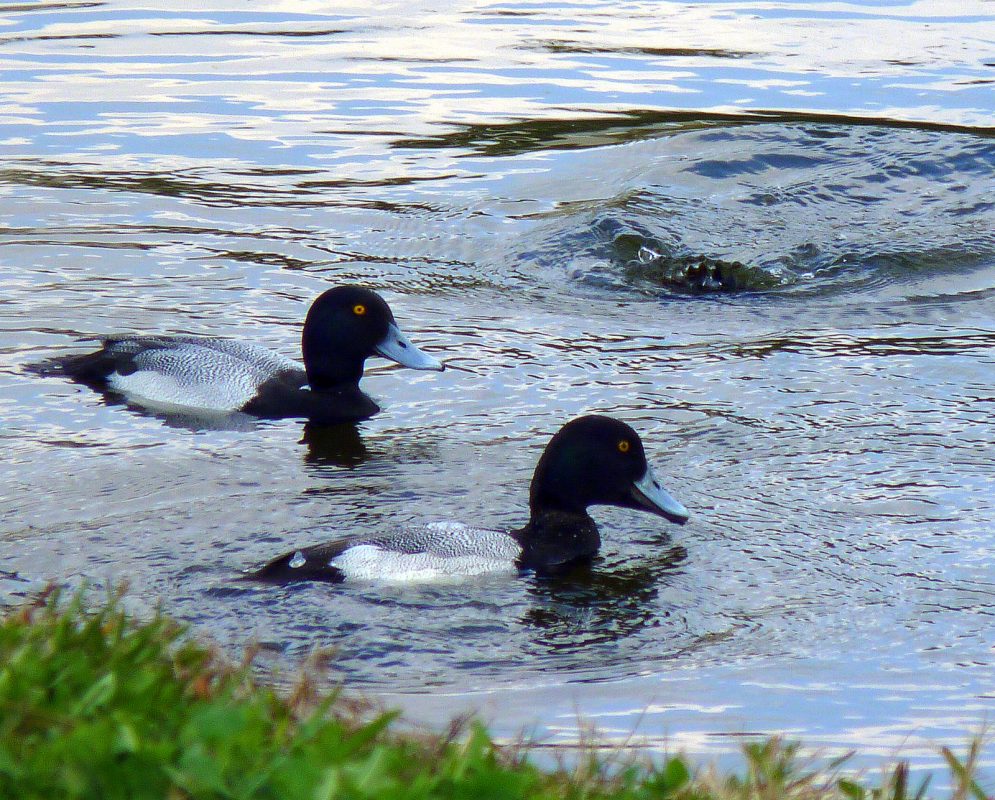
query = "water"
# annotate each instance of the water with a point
(763, 234)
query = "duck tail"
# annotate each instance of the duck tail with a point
(90, 368)
(295, 566)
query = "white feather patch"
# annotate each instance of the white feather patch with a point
(437, 552)
(370, 562)
(190, 376)
(156, 390)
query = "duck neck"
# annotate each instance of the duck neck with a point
(330, 366)
(553, 541)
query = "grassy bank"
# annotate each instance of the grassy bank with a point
(96, 705)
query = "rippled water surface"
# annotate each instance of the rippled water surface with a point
(763, 234)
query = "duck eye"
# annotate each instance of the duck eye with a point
(623, 446)
(359, 309)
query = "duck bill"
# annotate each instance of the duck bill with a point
(398, 347)
(650, 495)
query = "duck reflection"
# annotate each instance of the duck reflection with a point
(593, 605)
(233, 421)
(333, 446)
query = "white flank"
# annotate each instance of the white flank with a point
(155, 390)
(190, 376)
(370, 562)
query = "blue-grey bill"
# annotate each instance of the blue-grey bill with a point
(651, 495)
(398, 347)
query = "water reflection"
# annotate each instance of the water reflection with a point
(333, 446)
(235, 421)
(596, 604)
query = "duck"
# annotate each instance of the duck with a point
(592, 460)
(344, 326)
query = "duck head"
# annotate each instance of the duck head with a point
(345, 326)
(597, 460)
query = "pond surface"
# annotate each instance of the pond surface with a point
(761, 233)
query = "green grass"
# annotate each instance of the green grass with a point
(94, 704)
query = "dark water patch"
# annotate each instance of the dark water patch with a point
(564, 46)
(193, 185)
(834, 344)
(581, 132)
(43, 6)
(753, 166)
(254, 32)
(527, 136)
(52, 38)
(258, 257)
(210, 187)
(165, 184)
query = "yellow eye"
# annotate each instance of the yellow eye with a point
(623, 446)
(359, 309)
